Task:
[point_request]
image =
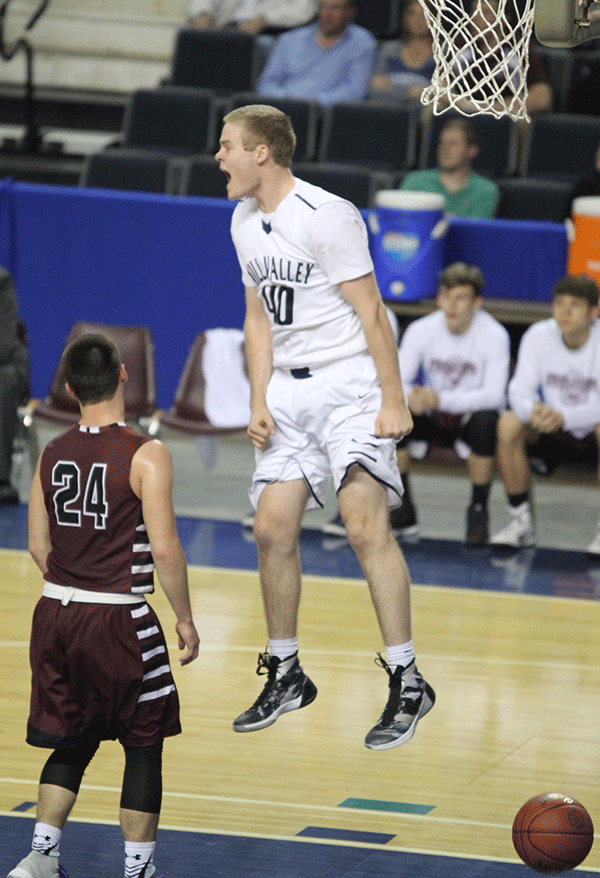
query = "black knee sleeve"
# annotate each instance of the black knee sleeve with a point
(142, 779)
(480, 433)
(65, 768)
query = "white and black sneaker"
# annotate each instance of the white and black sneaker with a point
(520, 530)
(287, 688)
(335, 526)
(38, 865)
(410, 698)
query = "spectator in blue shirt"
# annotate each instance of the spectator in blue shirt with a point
(330, 61)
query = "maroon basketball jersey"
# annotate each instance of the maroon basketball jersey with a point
(97, 532)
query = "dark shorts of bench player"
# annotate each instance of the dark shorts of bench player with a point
(477, 430)
(549, 450)
(99, 672)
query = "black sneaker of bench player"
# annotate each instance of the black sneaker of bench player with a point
(477, 525)
(403, 520)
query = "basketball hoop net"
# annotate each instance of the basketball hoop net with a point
(481, 56)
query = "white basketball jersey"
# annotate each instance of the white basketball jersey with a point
(296, 257)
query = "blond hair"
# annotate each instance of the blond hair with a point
(261, 123)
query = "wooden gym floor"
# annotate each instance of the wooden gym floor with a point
(509, 643)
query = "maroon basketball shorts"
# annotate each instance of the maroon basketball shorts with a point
(99, 671)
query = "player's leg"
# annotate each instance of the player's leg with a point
(515, 470)
(59, 785)
(141, 799)
(479, 433)
(594, 546)
(364, 507)
(277, 526)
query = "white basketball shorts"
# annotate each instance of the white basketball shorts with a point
(324, 425)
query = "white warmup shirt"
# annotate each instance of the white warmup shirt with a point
(566, 380)
(296, 257)
(277, 13)
(468, 371)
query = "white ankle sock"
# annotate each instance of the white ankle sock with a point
(283, 649)
(402, 654)
(138, 855)
(46, 839)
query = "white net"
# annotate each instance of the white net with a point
(481, 52)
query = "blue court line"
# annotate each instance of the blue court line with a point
(378, 805)
(224, 544)
(359, 837)
(24, 806)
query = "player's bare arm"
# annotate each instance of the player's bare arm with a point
(152, 481)
(259, 356)
(394, 419)
(39, 536)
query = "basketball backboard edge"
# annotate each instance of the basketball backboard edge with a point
(566, 23)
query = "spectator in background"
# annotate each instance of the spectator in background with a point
(466, 193)
(454, 365)
(14, 382)
(490, 31)
(251, 16)
(330, 61)
(554, 399)
(405, 66)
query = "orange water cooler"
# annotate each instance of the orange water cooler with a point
(583, 256)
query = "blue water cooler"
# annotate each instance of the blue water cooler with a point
(407, 235)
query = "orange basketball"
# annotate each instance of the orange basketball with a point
(553, 832)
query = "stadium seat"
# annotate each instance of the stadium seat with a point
(181, 121)
(188, 412)
(498, 152)
(137, 352)
(381, 136)
(378, 16)
(353, 182)
(223, 60)
(201, 176)
(531, 199)
(126, 169)
(583, 95)
(305, 117)
(560, 146)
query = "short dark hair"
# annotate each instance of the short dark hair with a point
(579, 285)
(91, 366)
(460, 274)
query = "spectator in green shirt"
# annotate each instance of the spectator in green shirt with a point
(466, 193)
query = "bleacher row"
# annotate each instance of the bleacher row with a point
(170, 135)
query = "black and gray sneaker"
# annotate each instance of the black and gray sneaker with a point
(287, 688)
(409, 700)
(403, 520)
(477, 525)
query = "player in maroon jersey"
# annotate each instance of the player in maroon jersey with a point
(101, 520)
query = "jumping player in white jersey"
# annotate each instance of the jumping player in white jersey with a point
(554, 399)
(326, 401)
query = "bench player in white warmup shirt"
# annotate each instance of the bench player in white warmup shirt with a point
(326, 402)
(554, 399)
(454, 365)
